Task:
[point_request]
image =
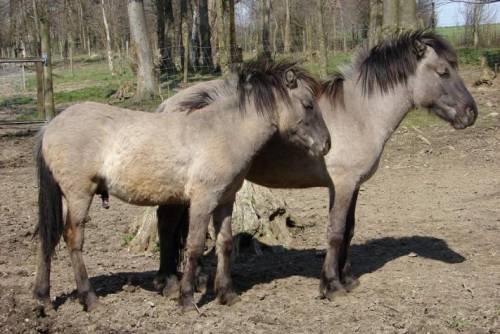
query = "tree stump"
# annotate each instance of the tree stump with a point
(487, 74)
(259, 217)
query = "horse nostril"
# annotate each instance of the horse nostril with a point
(327, 146)
(471, 113)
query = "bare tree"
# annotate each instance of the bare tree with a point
(265, 35)
(146, 79)
(375, 27)
(390, 17)
(109, 50)
(226, 34)
(164, 22)
(205, 36)
(408, 14)
(323, 54)
(288, 32)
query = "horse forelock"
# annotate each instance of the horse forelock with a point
(333, 89)
(391, 62)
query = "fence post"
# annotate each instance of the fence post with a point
(39, 91)
(47, 69)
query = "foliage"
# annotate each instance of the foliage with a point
(469, 56)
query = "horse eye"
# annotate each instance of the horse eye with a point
(444, 73)
(308, 106)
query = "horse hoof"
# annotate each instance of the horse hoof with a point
(171, 288)
(202, 283)
(350, 283)
(229, 298)
(159, 282)
(43, 307)
(332, 290)
(333, 294)
(91, 303)
(187, 304)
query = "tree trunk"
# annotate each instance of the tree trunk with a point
(185, 39)
(109, 50)
(375, 22)
(205, 35)
(391, 15)
(288, 32)
(265, 35)
(235, 55)
(224, 51)
(408, 14)
(323, 54)
(476, 20)
(163, 22)
(194, 40)
(50, 111)
(342, 27)
(259, 216)
(146, 79)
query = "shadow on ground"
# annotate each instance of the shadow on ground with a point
(278, 262)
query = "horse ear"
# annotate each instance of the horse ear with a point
(291, 79)
(420, 49)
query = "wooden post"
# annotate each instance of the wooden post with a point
(50, 111)
(40, 106)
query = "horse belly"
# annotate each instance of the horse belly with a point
(141, 186)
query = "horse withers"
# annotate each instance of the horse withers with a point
(363, 106)
(198, 157)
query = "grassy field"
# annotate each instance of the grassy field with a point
(452, 33)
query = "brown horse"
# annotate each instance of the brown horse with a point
(197, 158)
(362, 106)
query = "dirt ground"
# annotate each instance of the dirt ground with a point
(426, 249)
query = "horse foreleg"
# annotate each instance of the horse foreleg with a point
(169, 220)
(74, 236)
(348, 280)
(199, 218)
(340, 198)
(224, 246)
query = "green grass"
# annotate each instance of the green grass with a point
(454, 31)
(470, 56)
(8, 102)
(339, 58)
(126, 239)
(457, 323)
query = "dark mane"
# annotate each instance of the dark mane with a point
(260, 82)
(391, 62)
(198, 100)
(333, 88)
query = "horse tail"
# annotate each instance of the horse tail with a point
(50, 212)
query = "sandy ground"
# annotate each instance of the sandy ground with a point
(426, 249)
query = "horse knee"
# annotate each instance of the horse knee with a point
(194, 252)
(224, 245)
(335, 239)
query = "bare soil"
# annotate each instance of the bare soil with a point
(426, 249)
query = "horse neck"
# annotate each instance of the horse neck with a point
(251, 131)
(378, 113)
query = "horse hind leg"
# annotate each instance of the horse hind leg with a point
(77, 209)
